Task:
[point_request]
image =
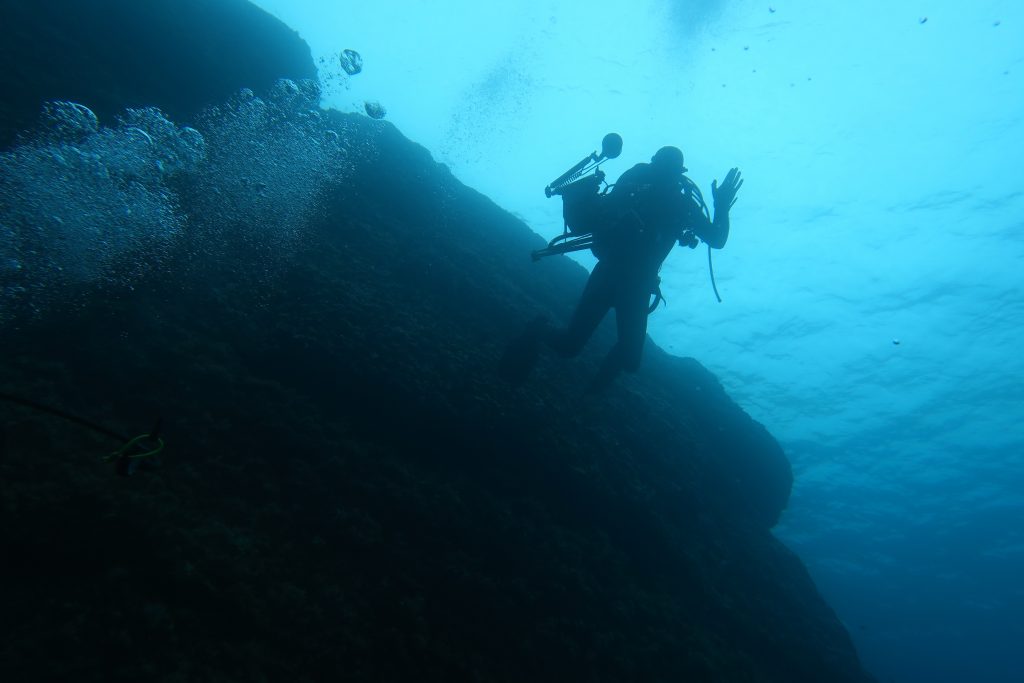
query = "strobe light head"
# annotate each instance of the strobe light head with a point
(611, 146)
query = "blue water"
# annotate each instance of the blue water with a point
(871, 291)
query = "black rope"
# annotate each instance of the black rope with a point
(62, 414)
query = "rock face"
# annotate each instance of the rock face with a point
(179, 55)
(350, 492)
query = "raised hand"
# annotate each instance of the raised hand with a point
(725, 196)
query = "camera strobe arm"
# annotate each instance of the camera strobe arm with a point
(611, 147)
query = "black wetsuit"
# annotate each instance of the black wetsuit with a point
(647, 215)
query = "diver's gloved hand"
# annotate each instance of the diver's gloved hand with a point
(725, 196)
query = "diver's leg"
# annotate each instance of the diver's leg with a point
(631, 321)
(522, 354)
(597, 298)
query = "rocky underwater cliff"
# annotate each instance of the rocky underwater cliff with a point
(348, 491)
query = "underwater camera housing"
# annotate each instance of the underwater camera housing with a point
(611, 147)
(574, 189)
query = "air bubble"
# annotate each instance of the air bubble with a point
(375, 110)
(68, 121)
(351, 61)
(84, 203)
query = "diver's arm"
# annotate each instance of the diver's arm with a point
(714, 233)
(721, 229)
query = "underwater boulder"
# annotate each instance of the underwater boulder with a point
(178, 55)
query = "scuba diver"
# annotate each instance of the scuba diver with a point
(631, 227)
